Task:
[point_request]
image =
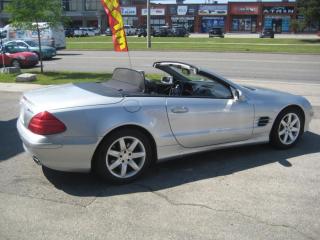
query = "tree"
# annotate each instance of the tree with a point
(310, 9)
(27, 14)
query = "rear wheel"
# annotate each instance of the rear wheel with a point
(123, 156)
(287, 128)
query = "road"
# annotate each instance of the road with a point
(253, 192)
(253, 66)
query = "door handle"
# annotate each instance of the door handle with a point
(179, 109)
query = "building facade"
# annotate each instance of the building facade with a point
(239, 17)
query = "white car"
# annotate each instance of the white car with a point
(130, 31)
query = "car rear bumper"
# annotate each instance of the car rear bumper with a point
(73, 156)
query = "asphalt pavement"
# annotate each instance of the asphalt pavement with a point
(253, 66)
(252, 192)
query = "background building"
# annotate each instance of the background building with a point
(246, 17)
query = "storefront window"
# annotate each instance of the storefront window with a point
(132, 21)
(187, 22)
(211, 22)
(244, 24)
(278, 24)
(156, 23)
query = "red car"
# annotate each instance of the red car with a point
(12, 56)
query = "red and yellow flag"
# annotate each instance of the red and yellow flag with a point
(112, 8)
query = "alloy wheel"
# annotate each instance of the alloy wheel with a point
(125, 157)
(289, 128)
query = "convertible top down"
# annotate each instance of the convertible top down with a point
(118, 128)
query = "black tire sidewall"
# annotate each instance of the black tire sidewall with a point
(274, 136)
(100, 164)
(15, 60)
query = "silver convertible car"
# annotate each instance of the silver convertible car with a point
(118, 128)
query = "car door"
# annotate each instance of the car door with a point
(209, 117)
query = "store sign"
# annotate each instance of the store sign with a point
(132, 11)
(153, 12)
(278, 10)
(182, 10)
(247, 9)
(192, 10)
(213, 10)
(181, 19)
(244, 9)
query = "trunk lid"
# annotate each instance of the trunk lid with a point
(72, 95)
(65, 96)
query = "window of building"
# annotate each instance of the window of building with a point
(244, 24)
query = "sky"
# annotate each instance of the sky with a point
(219, 1)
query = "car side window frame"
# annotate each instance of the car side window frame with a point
(210, 78)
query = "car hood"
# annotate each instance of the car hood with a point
(279, 98)
(268, 92)
(71, 95)
(43, 48)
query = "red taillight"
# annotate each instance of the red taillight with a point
(45, 123)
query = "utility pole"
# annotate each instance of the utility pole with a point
(148, 25)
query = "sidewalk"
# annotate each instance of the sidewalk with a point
(18, 87)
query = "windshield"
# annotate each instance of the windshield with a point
(32, 43)
(190, 82)
(189, 75)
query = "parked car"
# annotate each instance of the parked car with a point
(79, 33)
(120, 127)
(95, 30)
(17, 57)
(108, 32)
(69, 32)
(130, 31)
(216, 32)
(267, 33)
(180, 32)
(143, 32)
(163, 31)
(32, 46)
(87, 31)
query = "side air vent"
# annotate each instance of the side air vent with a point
(263, 121)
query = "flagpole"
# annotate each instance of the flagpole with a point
(129, 58)
(148, 25)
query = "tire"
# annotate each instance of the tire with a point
(38, 54)
(114, 160)
(16, 63)
(287, 128)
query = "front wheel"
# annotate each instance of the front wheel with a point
(16, 63)
(287, 129)
(123, 156)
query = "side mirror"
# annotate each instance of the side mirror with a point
(168, 80)
(239, 95)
